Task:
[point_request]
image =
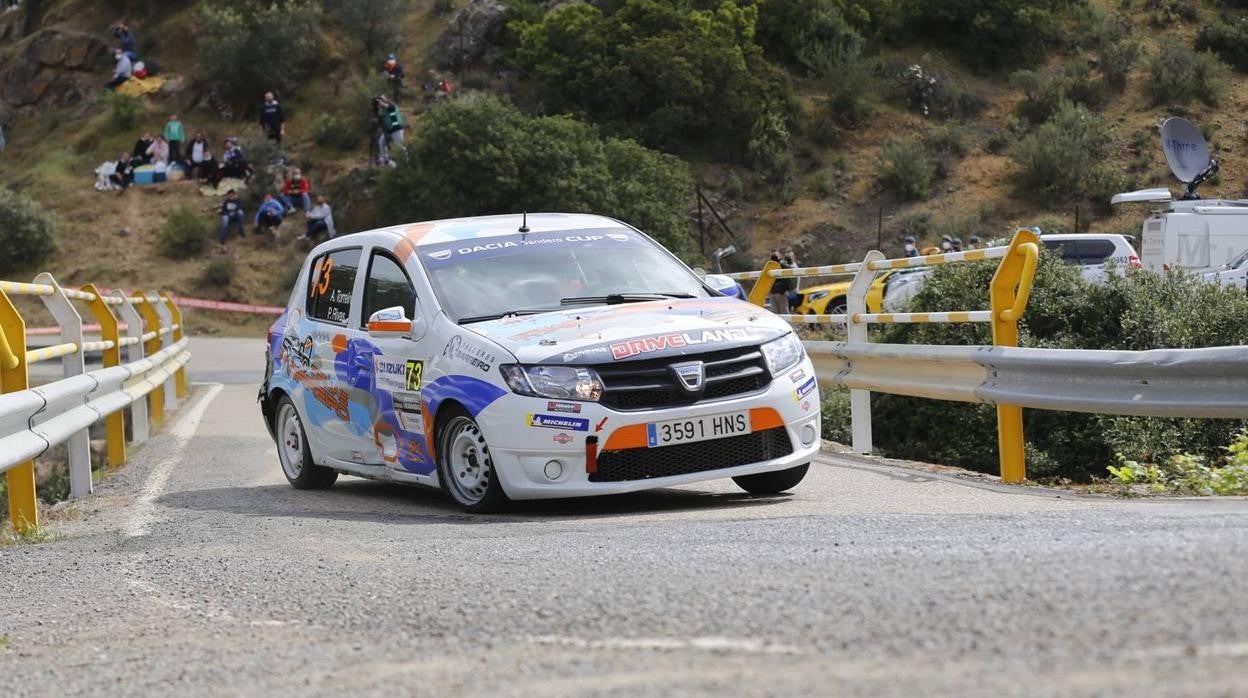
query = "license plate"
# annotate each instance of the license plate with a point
(683, 431)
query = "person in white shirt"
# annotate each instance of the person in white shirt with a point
(122, 72)
(320, 220)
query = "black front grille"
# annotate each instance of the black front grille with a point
(697, 457)
(650, 384)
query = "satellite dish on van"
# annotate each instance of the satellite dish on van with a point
(1186, 151)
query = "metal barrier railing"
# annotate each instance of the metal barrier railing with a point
(34, 420)
(1009, 292)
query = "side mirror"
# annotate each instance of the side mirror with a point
(389, 322)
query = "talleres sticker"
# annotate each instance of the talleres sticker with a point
(567, 407)
(553, 421)
(408, 411)
(394, 374)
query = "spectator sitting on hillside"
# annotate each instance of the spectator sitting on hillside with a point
(207, 168)
(141, 146)
(444, 89)
(391, 121)
(158, 151)
(198, 152)
(123, 70)
(269, 216)
(123, 171)
(174, 135)
(296, 188)
(122, 33)
(272, 121)
(320, 220)
(394, 73)
(231, 215)
(234, 162)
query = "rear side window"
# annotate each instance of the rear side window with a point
(387, 286)
(332, 284)
(1096, 251)
(1065, 248)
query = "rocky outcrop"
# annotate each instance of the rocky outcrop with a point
(468, 40)
(55, 67)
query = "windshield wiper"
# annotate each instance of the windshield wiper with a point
(616, 298)
(498, 316)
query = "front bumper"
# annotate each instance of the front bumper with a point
(521, 453)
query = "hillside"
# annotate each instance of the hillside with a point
(830, 203)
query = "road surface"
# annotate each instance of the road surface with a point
(198, 571)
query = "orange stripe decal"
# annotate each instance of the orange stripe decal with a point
(764, 418)
(631, 436)
(390, 326)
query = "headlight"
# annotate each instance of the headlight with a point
(783, 354)
(561, 382)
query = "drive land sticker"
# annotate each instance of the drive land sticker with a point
(551, 421)
(568, 407)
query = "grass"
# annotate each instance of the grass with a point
(25, 535)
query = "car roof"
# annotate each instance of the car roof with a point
(479, 227)
(1083, 236)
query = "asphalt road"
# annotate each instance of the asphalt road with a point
(198, 571)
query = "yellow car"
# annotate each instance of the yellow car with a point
(829, 299)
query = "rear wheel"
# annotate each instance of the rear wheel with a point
(466, 468)
(773, 482)
(294, 454)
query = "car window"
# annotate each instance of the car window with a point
(332, 284)
(1095, 251)
(1065, 248)
(387, 286)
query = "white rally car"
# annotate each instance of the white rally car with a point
(530, 357)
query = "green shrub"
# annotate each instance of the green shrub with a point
(250, 46)
(123, 111)
(908, 169)
(185, 233)
(374, 22)
(679, 80)
(934, 93)
(479, 155)
(1117, 59)
(991, 34)
(1179, 75)
(1045, 93)
(25, 232)
(1229, 40)
(852, 84)
(1065, 157)
(803, 33)
(220, 272)
(332, 131)
(443, 7)
(768, 151)
(836, 415)
(1133, 311)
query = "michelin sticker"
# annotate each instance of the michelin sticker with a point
(551, 421)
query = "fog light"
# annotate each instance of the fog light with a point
(808, 435)
(554, 470)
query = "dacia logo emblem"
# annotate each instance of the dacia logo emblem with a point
(690, 375)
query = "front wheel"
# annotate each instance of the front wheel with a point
(294, 454)
(466, 468)
(773, 482)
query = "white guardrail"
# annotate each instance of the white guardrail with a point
(34, 420)
(1209, 383)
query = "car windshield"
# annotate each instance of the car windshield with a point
(519, 274)
(1239, 261)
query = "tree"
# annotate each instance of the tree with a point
(250, 46)
(480, 156)
(374, 22)
(25, 232)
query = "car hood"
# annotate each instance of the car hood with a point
(632, 331)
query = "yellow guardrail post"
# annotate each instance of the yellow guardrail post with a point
(1009, 292)
(762, 287)
(115, 423)
(178, 333)
(23, 508)
(151, 323)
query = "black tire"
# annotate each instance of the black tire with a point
(461, 446)
(773, 482)
(291, 439)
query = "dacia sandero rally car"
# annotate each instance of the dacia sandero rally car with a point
(524, 357)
